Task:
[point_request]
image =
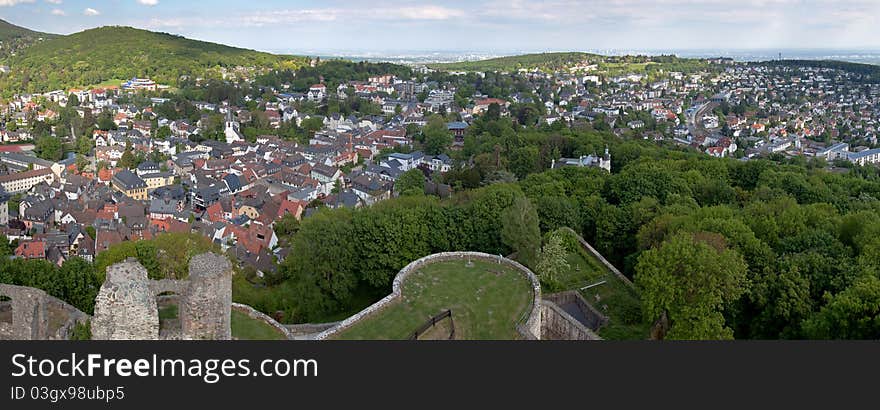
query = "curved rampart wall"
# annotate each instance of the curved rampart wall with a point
(531, 324)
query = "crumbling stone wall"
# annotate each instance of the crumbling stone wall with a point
(32, 312)
(29, 319)
(257, 315)
(207, 302)
(126, 308)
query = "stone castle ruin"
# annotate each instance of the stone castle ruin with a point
(131, 306)
(31, 314)
(127, 306)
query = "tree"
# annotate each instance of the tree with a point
(493, 113)
(163, 132)
(312, 124)
(553, 258)
(287, 226)
(128, 160)
(524, 161)
(851, 314)
(520, 231)
(81, 162)
(410, 183)
(689, 279)
(72, 100)
(105, 121)
(437, 136)
(49, 148)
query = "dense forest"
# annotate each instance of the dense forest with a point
(107, 53)
(14, 39)
(9, 31)
(331, 73)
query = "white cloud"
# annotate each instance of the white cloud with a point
(428, 12)
(58, 12)
(10, 3)
(54, 1)
(91, 12)
(148, 2)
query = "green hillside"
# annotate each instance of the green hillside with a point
(605, 65)
(10, 31)
(14, 39)
(542, 61)
(101, 54)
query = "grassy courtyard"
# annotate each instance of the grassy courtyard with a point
(245, 328)
(614, 298)
(487, 301)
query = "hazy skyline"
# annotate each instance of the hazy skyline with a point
(478, 25)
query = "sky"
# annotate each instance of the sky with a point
(476, 25)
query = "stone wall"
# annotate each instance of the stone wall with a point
(257, 315)
(74, 316)
(557, 324)
(126, 308)
(31, 314)
(29, 320)
(208, 299)
(592, 251)
(530, 325)
(592, 318)
(307, 331)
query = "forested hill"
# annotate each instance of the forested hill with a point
(10, 31)
(107, 53)
(543, 61)
(604, 65)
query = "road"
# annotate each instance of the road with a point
(694, 123)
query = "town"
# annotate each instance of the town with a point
(141, 172)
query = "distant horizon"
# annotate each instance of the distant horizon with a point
(457, 54)
(484, 25)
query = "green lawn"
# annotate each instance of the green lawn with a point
(245, 328)
(487, 301)
(616, 299)
(105, 84)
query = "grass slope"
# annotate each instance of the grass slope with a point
(485, 305)
(245, 328)
(615, 299)
(97, 55)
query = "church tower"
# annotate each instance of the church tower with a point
(232, 129)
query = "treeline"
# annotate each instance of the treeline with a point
(74, 283)
(331, 73)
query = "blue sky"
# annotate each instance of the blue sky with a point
(478, 25)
